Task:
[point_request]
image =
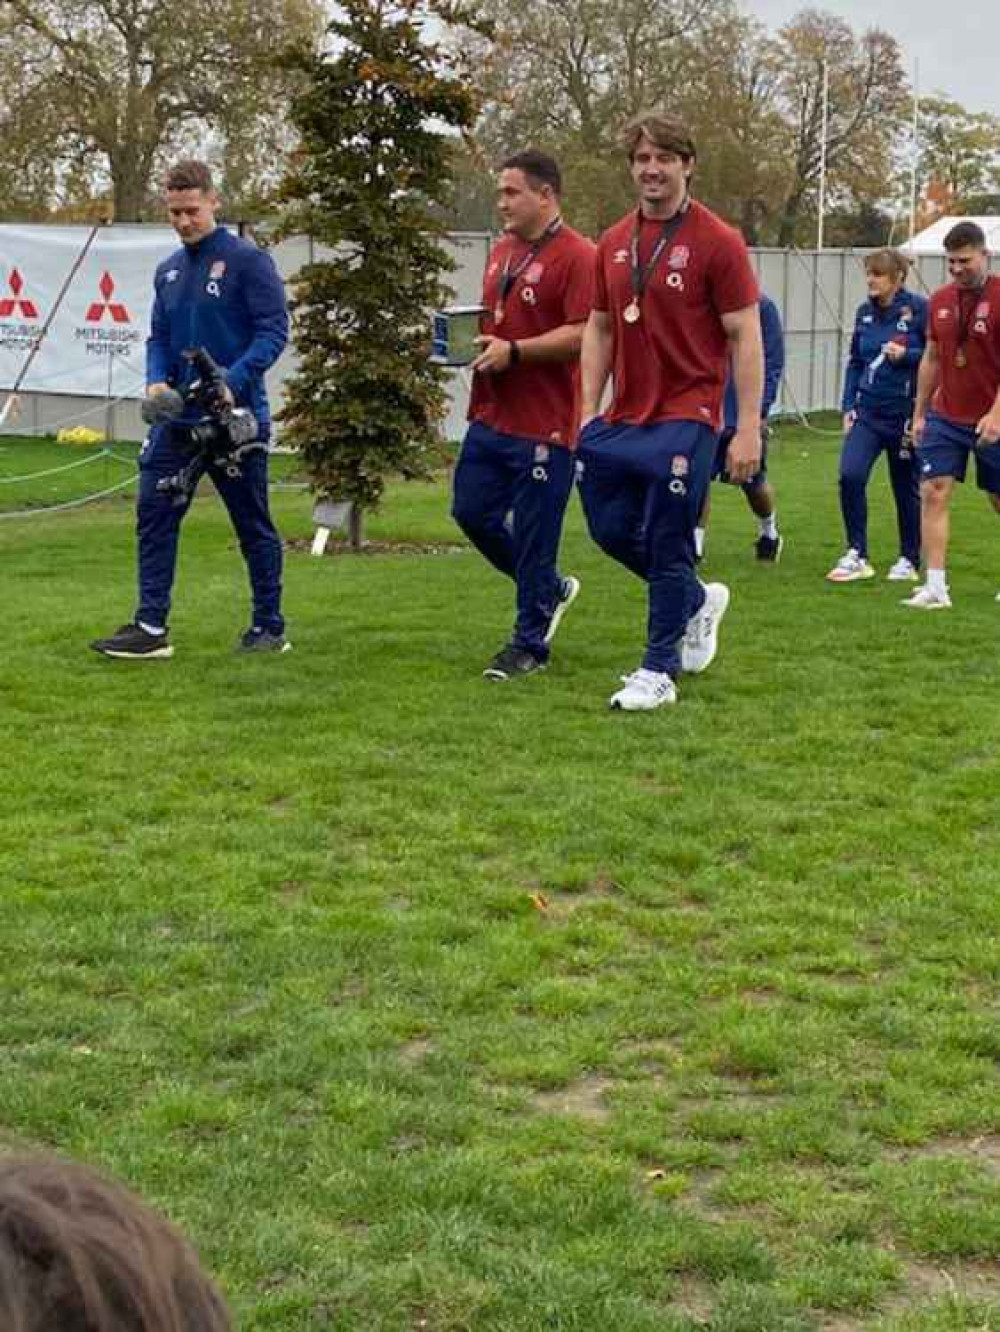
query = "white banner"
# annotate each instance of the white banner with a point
(96, 344)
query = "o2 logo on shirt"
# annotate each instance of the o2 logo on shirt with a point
(529, 295)
(215, 275)
(675, 280)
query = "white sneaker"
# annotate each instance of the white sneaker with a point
(903, 571)
(850, 568)
(701, 637)
(568, 593)
(644, 690)
(925, 599)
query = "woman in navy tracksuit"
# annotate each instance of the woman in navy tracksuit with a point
(890, 332)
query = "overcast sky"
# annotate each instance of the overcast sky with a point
(956, 50)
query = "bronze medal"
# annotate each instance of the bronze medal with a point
(960, 359)
(498, 313)
(631, 313)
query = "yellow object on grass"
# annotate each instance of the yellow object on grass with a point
(80, 435)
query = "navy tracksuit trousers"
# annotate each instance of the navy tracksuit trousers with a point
(159, 520)
(870, 436)
(642, 488)
(510, 496)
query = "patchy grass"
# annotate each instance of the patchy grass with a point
(424, 1003)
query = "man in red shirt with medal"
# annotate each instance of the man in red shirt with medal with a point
(676, 298)
(515, 472)
(957, 410)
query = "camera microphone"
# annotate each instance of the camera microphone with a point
(162, 407)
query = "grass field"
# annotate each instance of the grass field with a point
(430, 1005)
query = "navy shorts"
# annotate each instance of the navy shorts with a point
(719, 472)
(945, 450)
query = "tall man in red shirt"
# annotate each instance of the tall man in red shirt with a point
(515, 472)
(676, 296)
(959, 378)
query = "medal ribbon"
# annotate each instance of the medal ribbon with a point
(510, 275)
(641, 273)
(965, 312)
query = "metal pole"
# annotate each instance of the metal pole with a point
(915, 150)
(822, 155)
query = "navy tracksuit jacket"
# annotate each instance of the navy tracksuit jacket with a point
(223, 294)
(881, 393)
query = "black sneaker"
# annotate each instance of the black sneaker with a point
(263, 640)
(568, 593)
(769, 548)
(512, 662)
(134, 643)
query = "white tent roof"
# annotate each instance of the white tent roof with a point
(931, 240)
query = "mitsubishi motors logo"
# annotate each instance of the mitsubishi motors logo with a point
(17, 304)
(117, 311)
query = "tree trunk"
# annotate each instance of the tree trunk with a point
(790, 219)
(129, 186)
(355, 526)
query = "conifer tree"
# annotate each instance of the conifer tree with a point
(377, 122)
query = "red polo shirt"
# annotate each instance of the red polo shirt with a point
(535, 401)
(966, 393)
(671, 364)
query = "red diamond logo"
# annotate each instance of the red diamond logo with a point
(17, 304)
(96, 310)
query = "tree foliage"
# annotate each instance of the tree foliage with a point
(567, 74)
(959, 150)
(734, 100)
(98, 91)
(866, 90)
(367, 183)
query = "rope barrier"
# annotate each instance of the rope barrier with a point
(70, 504)
(54, 471)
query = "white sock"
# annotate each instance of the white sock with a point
(936, 581)
(769, 525)
(699, 541)
(156, 630)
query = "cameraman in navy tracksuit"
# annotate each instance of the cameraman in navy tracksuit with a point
(890, 333)
(225, 295)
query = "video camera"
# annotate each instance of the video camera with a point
(213, 429)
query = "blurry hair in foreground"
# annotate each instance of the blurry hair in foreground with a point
(80, 1253)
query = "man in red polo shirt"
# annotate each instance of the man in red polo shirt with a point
(676, 297)
(515, 471)
(959, 378)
